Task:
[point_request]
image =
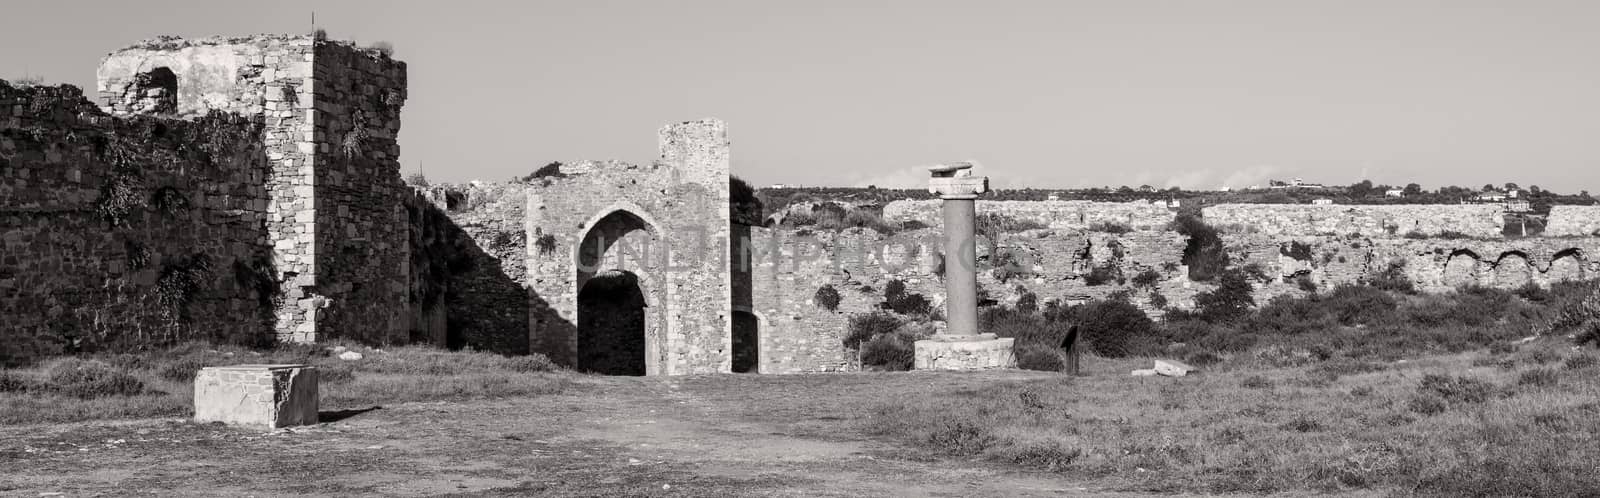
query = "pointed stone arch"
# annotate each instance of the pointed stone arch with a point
(617, 270)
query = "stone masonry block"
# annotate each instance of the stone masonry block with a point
(978, 352)
(257, 396)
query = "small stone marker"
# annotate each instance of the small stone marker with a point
(1171, 368)
(258, 396)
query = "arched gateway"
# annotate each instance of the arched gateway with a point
(628, 265)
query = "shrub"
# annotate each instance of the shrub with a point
(743, 205)
(1353, 304)
(865, 326)
(1147, 278)
(1416, 235)
(87, 379)
(960, 437)
(1008, 264)
(1304, 283)
(1393, 278)
(1230, 301)
(1114, 329)
(896, 299)
(1042, 357)
(1026, 328)
(1427, 404)
(1110, 227)
(827, 297)
(15, 382)
(552, 170)
(1297, 250)
(1533, 293)
(1204, 253)
(1027, 301)
(1456, 390)
(1579, 362)
(1289, 315)
(890, 351)
(1452, 234)
(1102, 274)
(1157, 299)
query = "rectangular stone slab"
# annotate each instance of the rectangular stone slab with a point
(257, 396)
(972, 352)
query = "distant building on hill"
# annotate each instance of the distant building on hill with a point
(1322, 202)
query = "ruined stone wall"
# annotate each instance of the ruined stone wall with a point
(789, 266)
(1432, 265)
(330, 114)
(126, 232)
(1473, 220)
(360, 285)
(681, 205)
(1062, 215)
(467, 253)
(1573, 221)
(266, 78)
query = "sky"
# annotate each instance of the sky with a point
(1045, 94)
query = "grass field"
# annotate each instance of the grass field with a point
(160, 383)
(1521, 421)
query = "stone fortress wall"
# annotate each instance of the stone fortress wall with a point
(104, 222)
(1065, 215)
(330, 113)
(1472, 220)
(1573, 221)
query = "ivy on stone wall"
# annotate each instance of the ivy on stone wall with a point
(546, 244)
(169, 200)
(180, 284)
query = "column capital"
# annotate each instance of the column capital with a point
(954, 181)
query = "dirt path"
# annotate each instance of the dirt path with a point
(696, 436)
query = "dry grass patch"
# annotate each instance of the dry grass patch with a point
(1327, 426)
(159, 383)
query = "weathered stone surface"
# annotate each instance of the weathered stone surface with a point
(980, 352)
(1473, 220)
(257, 396)
(1143, 372)
(1172, 368)
(1064, 215)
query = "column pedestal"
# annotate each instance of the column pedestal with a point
(964, 352)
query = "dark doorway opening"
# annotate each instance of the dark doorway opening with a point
(746, 342)
(611, 325)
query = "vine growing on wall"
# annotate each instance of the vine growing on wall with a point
(180, 284)
(357, 136)
(169, 200)
(138, 256)
(257, 274)
(546, 244)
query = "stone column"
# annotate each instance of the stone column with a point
(961, 347)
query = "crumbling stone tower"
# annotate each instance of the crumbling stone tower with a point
(331, 113)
